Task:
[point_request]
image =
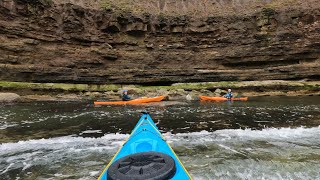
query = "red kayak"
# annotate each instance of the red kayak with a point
(207, 98)
(134, 101)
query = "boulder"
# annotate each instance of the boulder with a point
(36, 97)
(9, 97)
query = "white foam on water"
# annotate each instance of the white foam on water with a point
(77, 115)
(111, 140)
(6, 125)
(287, 134)
(90, 132)
(284, 153)
(6, 169)
(26, 166)
(56, 152)
(230, 149)
(94, 173)
(61, 143)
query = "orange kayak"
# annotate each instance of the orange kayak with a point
(207, 98)
(134, 101)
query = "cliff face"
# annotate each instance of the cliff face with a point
(45, 41)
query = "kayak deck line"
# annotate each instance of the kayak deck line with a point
(146, 137)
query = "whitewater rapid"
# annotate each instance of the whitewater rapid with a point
(232, 153)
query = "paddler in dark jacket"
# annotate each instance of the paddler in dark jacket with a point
(229, 94)
(125, 96)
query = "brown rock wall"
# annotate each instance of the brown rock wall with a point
(44, 41)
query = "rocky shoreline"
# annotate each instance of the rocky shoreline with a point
(26, 92)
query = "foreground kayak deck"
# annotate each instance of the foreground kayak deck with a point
(134, 101)
(146, 137)
(207, 98)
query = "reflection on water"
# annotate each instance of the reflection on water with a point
(270, 138)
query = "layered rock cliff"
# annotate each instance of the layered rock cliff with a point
(64, 41)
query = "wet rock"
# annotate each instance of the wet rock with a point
(39, 98)
(189, 97)
(69, 97)
(163, 92)
(205, 92)
(178, 94)
(112, 96)
(218, 92)
(93, 94)
(9, 97)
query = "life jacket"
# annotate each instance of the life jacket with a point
(229, 95)
(126, 97)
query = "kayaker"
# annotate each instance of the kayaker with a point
(229, 94)
(125, 96)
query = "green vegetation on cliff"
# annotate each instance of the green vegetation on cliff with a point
(57, 86)
(248, 85)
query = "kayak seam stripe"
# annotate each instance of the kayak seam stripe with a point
(105, 169)
(172, 151)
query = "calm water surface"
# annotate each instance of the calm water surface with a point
(263, 138)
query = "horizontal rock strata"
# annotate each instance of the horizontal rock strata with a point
(55, 41)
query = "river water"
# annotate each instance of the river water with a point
(263, 138)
